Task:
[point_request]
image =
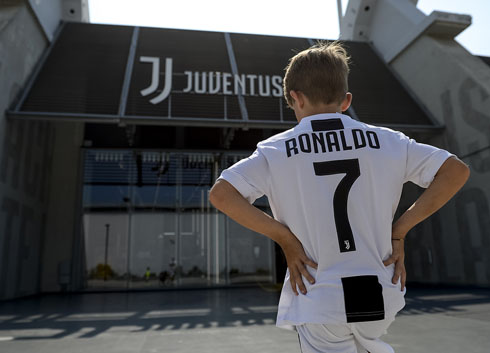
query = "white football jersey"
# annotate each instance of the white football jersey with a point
(336, 183)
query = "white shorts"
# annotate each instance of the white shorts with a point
(359, 337)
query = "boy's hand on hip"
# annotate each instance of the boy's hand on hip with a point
(450, 177)
(297, 261)
(398, 258)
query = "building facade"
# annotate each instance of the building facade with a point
(113, 135)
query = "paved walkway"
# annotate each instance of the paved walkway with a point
(223, 321)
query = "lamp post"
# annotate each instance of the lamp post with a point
(106, 250)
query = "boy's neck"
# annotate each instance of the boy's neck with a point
(314, 110)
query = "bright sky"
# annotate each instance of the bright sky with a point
(305, 18)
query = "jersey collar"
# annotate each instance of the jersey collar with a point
(307, 119)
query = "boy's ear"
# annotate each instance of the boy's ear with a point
(346, 102)
(298, 97)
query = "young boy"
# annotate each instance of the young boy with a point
(333, 185)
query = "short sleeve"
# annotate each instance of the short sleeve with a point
(250, 176)
(423, 162)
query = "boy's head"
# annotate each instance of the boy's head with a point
(320, 73)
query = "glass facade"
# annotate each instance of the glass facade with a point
(148, 223)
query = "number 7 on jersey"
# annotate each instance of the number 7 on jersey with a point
(351, 169)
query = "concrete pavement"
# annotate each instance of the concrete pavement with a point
(223, 321)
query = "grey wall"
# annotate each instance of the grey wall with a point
(48, 13)
(455, 86)
(25, 153)
(63, 222)
(39, 166)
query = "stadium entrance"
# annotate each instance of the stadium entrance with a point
(148, 223)
(140, 122)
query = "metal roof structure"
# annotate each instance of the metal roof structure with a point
(152, 76)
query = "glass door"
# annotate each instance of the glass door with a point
(154, 220)
(106, 195)
(148, 224)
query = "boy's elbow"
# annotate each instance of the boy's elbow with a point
(222, 194)
(213, 197)
(216, 195)
(463, 170)
(460, 171)
(466, 172)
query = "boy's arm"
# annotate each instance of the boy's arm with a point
(228, 200)
(450, 177)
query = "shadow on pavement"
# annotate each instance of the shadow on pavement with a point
(89, 315)
(444, 300)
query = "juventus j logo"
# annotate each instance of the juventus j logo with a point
(155, 78)
(347, 244)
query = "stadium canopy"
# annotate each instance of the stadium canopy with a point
(153, 76)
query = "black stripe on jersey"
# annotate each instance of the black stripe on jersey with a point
(363, 297)
(327, 124)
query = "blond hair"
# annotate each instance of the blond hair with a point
(319, 72)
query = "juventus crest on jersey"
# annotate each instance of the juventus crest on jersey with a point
(336, 183)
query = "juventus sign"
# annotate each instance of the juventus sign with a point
(211, 82)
